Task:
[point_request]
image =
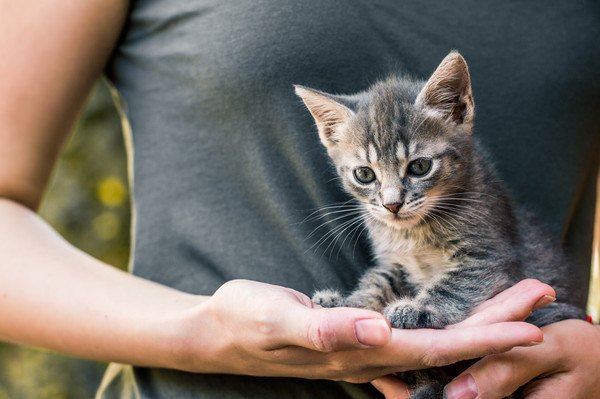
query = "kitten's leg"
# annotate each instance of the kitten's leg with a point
(554, 312)
(377, 287)
(329, 298)
(380, 286)
(449, 299)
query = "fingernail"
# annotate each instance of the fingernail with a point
(534, 343)
(543, 301)
(372, 332)
(461, 388)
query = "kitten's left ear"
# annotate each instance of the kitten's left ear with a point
(447, 93)
(329, 113)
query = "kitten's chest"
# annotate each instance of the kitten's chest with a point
(423, 263)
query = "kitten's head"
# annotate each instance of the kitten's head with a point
(402, 146)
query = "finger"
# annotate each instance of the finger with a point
(391, 387)
(334, 329)
(514, 304)
(500, 375)
(523, 285)
(426, 348)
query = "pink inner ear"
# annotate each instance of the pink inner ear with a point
(327, 113)
(448, 91)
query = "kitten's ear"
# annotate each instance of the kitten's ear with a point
(329, 113)
(447, 93)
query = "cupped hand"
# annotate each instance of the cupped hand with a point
(260, 329)
(514, 304)
(566, 365)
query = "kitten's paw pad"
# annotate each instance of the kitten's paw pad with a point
(408, 315)
(329, 299)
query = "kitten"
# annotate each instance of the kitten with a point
(444, 233)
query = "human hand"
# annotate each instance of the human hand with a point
(515, 303)
(259, 329)
(566, 365)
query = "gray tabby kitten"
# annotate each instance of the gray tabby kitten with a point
(444, 233)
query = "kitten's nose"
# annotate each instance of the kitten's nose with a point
(394, 208)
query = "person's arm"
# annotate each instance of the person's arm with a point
(55, 296)
(52, 53)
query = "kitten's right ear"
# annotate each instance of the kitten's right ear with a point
(328, 113)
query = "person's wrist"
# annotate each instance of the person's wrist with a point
(197, 343)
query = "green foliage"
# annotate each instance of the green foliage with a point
(88, 203)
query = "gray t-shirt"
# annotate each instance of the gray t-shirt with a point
(227, 162)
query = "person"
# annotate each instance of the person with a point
(225, 163)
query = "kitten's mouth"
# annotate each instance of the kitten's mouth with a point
(401, 220)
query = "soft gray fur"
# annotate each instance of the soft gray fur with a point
(446, 240)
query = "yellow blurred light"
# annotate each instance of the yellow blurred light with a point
(111, 191)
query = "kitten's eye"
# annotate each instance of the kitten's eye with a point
(364, 175)
(419, 167)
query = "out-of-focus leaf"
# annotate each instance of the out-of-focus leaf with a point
(88, 203)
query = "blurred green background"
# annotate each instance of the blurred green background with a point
(87, 201)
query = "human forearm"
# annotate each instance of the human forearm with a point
(55, 296)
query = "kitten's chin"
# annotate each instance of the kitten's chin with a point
(398, 221)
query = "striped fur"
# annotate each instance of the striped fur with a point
(457, 239)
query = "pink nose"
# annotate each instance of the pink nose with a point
(394, 208)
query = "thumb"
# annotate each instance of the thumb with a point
(334, 329)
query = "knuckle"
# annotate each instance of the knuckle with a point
(266, 329)
(533, 285)
(436, 357)
(438, 354)
(502, 374)
(337, 369)
(321, 336)
(340, 366)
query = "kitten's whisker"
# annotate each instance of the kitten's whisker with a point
(338, 235)
(461, 208)
(464, 212)
(450, 203)
(321, 216)
(441, 219)
(366, 225)
(363, 218)
(463, 219)
(353, 233)
(350, 234)
(332, 238)
(320, 208)
(471, 193)
(331, 232)
(441, 223)
(461, 200)
(348, 214)
(331, 206)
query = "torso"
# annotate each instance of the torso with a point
(227, 163)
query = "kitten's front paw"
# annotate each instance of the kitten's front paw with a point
(329, 299)
(408, 314)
